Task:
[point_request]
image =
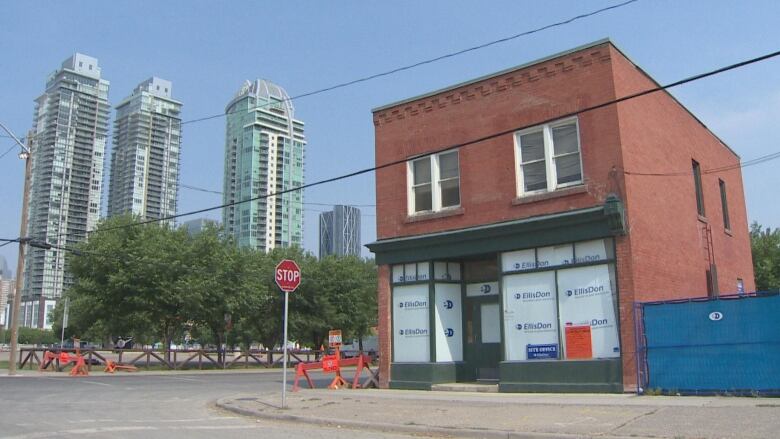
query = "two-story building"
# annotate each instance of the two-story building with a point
(527, 213)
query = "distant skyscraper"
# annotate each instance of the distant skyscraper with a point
(340, 231)
(264, 154)
(145, 153)
(68, 141)
(6, 290)
(197, 225)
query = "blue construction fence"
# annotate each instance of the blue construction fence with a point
(728, 345)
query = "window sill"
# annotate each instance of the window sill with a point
(702, 219)
(728, 232)
(434, 215)
(549, 195)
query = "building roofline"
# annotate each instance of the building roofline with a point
(548, 58)
(492, 75)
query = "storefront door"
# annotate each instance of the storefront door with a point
(483, 337)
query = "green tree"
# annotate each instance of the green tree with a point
(224, 286)
(765, 247)
(128, 281)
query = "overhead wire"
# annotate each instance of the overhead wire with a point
(462, 144)
(428, 61)
(196, 188)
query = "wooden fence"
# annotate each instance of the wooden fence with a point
(176, 359)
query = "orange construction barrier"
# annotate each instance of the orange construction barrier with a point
(80, 369)
(112, 366)
(362, 361)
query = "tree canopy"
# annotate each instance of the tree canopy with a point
(159, 283)
(765, 246)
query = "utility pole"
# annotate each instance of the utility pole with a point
(26, 156)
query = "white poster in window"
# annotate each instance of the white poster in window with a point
(585, 298)
(554, 255)
(518, 260)
(530, 316)
(449, 329)
(590, 251)
(482, 289)
(411, 334)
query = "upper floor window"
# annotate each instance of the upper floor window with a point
(724, 204)
(434, 182)
(548, 157)
(697, 186)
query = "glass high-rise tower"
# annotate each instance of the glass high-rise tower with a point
(340, 231)
(68, 142)
(264, 156)
(145, 154)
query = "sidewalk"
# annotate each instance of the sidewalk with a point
(479, 415)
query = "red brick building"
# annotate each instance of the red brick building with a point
(517, 258)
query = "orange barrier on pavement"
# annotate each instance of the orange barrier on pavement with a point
(112, 366)
(362, 361)
(80, 369)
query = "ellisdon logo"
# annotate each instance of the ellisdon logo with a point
(413, 304)
(585, 291)
(448, 304)
(530, 265)
(587, 258)
(599, 322)
(415, 332)
(485, 289)
(535, 326)
(449, 332)
(533, 295)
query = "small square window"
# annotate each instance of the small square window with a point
(434, 183)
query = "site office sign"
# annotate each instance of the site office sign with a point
(288, 275)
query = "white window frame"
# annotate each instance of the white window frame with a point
(435, 183)
(549, 157)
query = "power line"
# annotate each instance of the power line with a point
(9, 150)
(430, 60)
(195, 188)
(751, 162)
(463, 144)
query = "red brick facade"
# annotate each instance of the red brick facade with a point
(668, 246)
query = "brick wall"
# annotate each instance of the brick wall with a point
(669, 243)
(488, 185)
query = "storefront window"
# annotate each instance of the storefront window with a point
(560, 312)
(411, 332)
(446, 270)
(449, 326)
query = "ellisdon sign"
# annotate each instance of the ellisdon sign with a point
(413, 304)
(532, 295)
(585, 291)
(533, 326)
(413, 332)
(716, 316)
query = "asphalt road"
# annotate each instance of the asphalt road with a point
(145, 406)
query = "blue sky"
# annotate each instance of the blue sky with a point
(209, 48)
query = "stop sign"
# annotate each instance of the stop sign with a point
(288, 275)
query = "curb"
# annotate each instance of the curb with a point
(415, 429)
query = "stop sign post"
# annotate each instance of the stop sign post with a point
(288, 277)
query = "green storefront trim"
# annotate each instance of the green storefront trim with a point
(560, 228)
(567, 376)
(421, 376)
